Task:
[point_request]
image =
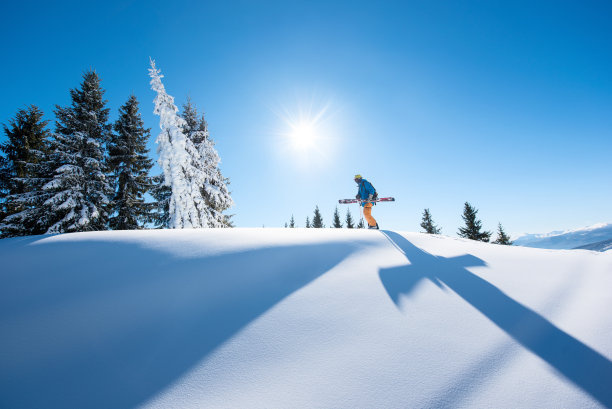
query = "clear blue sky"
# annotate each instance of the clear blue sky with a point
(507, 105)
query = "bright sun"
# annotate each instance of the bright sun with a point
(303, 135)
(307, 137)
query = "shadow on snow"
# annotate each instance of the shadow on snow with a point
(577, 362)
(110, 325)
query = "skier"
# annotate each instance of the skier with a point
(366, 193)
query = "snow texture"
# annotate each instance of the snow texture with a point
(300, 318)
(181, 162)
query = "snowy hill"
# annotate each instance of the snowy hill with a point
(569, 239)
(599, 246)
(300, 318)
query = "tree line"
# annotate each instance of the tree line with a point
(317, 221)
(93, 174)
(472, 229)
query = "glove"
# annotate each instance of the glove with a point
(370, 198)
(357, 196)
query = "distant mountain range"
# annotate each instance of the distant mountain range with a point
(597, 238)
(599, 246)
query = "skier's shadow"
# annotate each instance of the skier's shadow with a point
(577, 362)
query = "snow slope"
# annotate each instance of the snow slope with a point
(604, 245)
(300, 318)
(569, 239)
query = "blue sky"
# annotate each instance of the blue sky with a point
(507, 105)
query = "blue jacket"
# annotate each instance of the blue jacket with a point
(365, 190)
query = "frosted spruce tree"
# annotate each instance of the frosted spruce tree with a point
(23, 173)
(130, 164)
(215, 191)
(80, 192)
(189, 172)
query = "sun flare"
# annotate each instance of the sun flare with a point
(308, 133)
(303, 135)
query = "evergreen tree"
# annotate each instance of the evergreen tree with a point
(22, 173)
(337, 222)
(473, 226)
(214, 189)
(307, 222)
(160, 215)
(130, 166)
(428, 224)
(179, 158)
(361, 224)
(79, 193)
(317, 220)
(292, 222)
(502, 237)
(350, 224)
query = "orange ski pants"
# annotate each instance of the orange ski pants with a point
(367, 213)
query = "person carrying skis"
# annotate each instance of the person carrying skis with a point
(366, 194)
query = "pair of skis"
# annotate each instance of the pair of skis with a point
(380, 199)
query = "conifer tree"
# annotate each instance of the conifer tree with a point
(179, 158)
(350, 224)
(22, 173)
(317, 220)
(473, 226)
(361, 224)
(428, 224)
(130, 166)
(80, 192)
(502, 237)
(337, 223)
(292, 222)
(307, 222)
(160, 214)
(215, 188)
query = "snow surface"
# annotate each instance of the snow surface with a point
(300, 318)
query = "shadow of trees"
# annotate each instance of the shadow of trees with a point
(109, 325)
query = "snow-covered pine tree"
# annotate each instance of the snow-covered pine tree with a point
(22, 173)
(502, 237)
(214, 190)
(473, 226)
(80, 192)
(337, 223)
(307, 223)
(292, 222)
(361, 224)
(350, 224)
(428, 224)
(178, 156)
(130, 165)
(317, 220)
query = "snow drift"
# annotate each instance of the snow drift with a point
(312, 318)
